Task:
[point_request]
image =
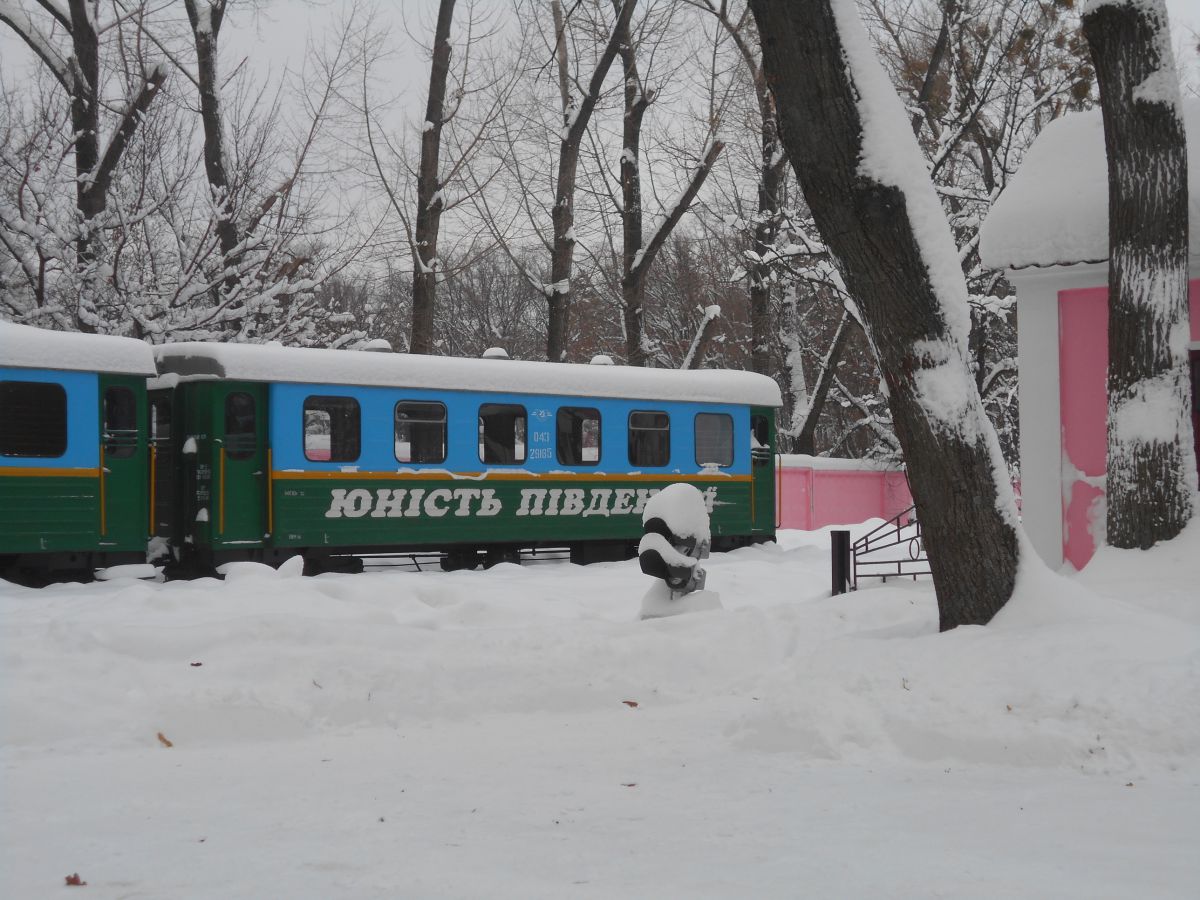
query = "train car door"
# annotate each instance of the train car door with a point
(762, 469)
(240, 466)
(124, 506)
(164, 465)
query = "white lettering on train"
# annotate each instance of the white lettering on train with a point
(389, 503)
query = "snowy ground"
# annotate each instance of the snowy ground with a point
(468, 735)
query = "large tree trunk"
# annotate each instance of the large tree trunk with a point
(866, 183)
(430, 202)
(1151, 469)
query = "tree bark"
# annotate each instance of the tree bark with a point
(957, 476)
(766, 228)
(633, 286)
(430, 202)
(1151, 468)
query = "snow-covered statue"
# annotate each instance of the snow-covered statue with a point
(676, 538)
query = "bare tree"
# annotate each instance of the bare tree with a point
(430, 201)
(871, 198)
(772, 169)
(205, 19)
(468, 92)
(578, 103)
(1151, 469)
(638, 252)
(77, 69)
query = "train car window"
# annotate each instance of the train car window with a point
(33, 419)
(714, 439)
(760, 440)
(578, 436)
(420, 432)
(120, 423)
(160, 421)
(501, 433)
(649, 438)
(241, 425)
(331, 429)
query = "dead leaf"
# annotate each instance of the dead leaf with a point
(195, 664)
(74, 881)
(632, 704)
(162, 739)
(630, 784)
(1008, 706)
(1130, 784)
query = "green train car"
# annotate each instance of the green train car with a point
(202, 454)
(75, 462)
(333, 454)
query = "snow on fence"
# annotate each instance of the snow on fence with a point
(815, 491)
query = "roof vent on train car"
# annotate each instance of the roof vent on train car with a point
(495, 353)
(377, 345)
(602, 360)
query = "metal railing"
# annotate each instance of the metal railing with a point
(894, 549)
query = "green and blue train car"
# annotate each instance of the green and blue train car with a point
(201, 454)
(75, 458)
(335, 453)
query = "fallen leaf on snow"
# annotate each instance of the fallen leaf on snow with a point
(74, 881)
(162, 739)
(632, 704)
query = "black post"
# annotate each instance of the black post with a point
(839, 542)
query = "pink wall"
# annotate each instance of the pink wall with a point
(816, 496)
(1083, 369)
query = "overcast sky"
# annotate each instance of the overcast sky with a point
(276, 37)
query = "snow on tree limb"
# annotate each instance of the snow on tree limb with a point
(18, 19)
(130, 119)
(899, 163)
(676, 210)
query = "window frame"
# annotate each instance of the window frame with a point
(46, 451)
(116, 440)
(235, 449)
(444, 421)
(558, 442)
(482, 446)
(630, 429)
(330, 410)
(696, 438)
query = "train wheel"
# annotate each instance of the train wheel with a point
(497, 555)
(458, 560)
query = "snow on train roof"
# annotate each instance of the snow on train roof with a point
(1055, 211)
(25, 347)
(250, 362)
